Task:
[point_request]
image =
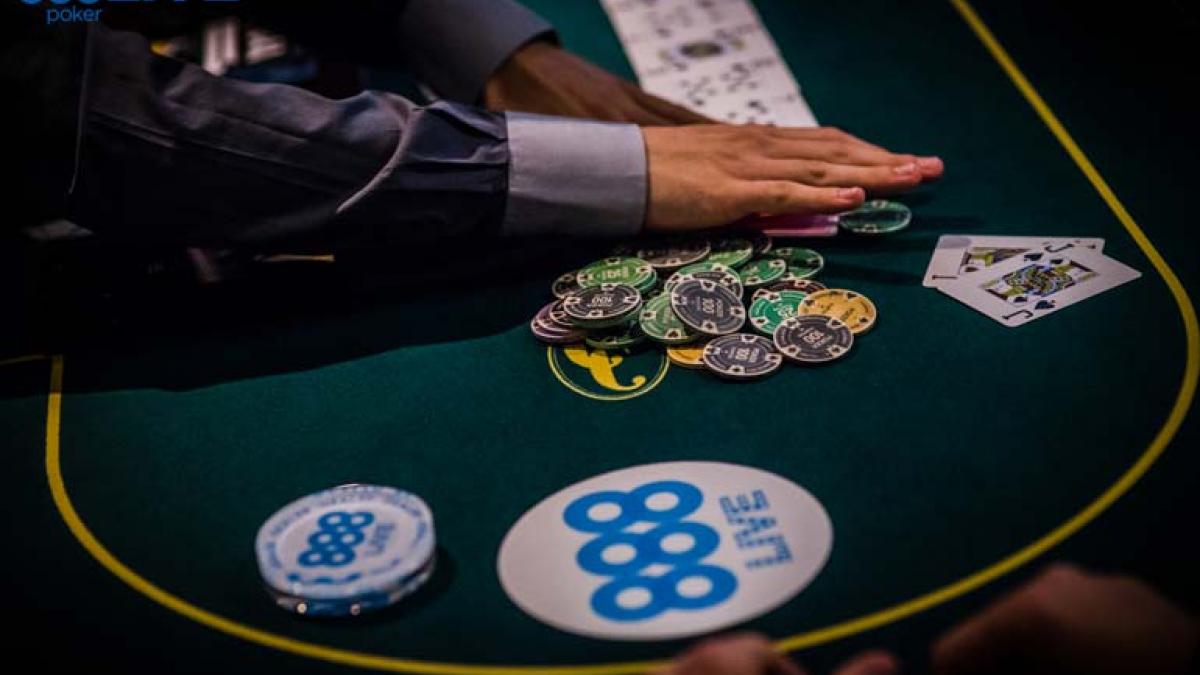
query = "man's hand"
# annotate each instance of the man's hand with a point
(1069, 622)
(750, 654)
(541, 78)
(704, 176)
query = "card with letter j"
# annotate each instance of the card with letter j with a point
(1029, 286)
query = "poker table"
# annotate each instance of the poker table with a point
(955, 457)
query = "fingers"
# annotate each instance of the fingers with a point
(870, 663)
(787, 197)
(837, 146)
(740, 654)
(879, 178)
(988, 641)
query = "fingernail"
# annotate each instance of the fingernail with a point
(905, 169)
(930, 163)
(849, 194)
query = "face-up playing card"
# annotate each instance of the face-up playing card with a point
(1038, 282)
(958, 255)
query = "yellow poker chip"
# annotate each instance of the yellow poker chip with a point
(687, 356)
(853, 309)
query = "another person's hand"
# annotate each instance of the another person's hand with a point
(542, 78)
(1067, 621)
(709, 175)
(750, 654)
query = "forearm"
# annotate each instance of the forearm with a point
(169, 153)
(149, 149)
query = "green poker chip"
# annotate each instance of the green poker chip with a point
(659, 322)
(617, 270)
(802, 263)
(763, 271)
(772, 308)
(878, 216)
(730, 251)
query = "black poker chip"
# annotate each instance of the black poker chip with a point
(708, 307)
(602, 306)
(813, 338)
(741, 356)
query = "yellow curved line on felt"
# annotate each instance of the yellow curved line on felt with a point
(966, 584)
(70, 516)
(1183, 400)
(566, 381)
(28, 358)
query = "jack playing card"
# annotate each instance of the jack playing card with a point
(957, 255)
(1038, 282)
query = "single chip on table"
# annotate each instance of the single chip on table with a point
(741, 356)
(878, 216)
(813, 339)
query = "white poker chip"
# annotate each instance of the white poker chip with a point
(346, 550)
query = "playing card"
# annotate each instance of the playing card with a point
(1038, 282)
(957, 255)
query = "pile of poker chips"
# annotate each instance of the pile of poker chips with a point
(737, 306)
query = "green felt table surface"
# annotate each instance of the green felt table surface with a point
(942, 445)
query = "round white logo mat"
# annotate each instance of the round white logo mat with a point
(664, 550)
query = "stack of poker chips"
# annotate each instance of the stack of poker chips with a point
(737, 306)
(347, 550)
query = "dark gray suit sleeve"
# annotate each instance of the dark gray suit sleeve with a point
(153, 150)
(455, 45)
(167, 152)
